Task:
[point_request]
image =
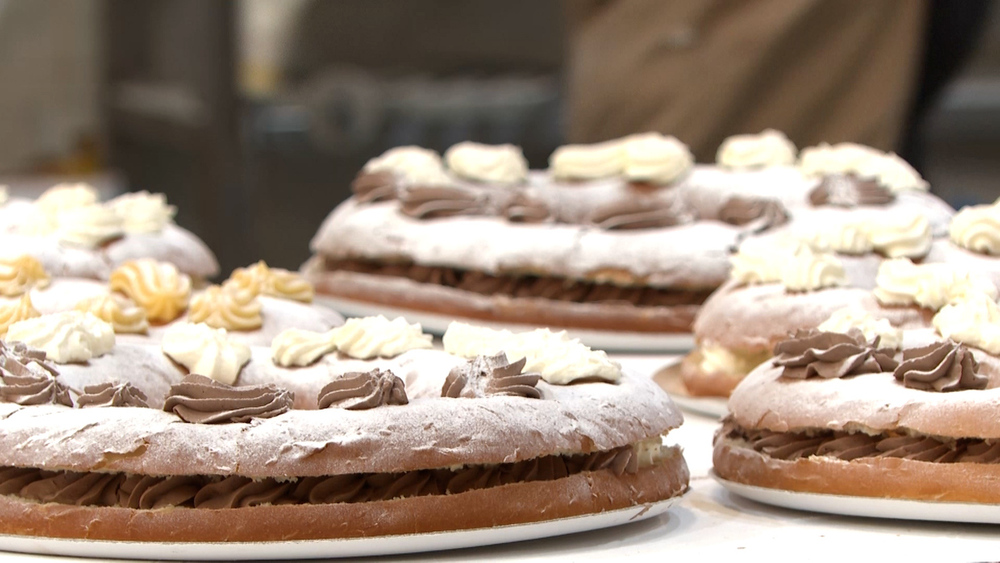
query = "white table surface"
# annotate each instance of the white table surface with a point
(711, 523)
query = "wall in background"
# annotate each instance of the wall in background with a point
(49, 84)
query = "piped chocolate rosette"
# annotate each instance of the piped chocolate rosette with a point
(860, 207)
(358, 431)
(605, 239)
(849, 414)
(627, 235)
(778, 285)
(889, 269)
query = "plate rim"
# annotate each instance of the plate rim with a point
(864, 507)
(667, 379)
(395, 544)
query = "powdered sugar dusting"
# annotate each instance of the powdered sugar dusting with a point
(429, 432)
(693, 254)
(872, 403)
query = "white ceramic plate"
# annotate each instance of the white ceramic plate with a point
(669, 379)
(599, 339)
(705, 406)
(357, 547)
(868, 506)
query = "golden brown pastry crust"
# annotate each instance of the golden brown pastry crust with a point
(865, 477)
(583, 493)
(407, 294)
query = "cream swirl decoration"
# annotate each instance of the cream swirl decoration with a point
(974, 320)
(469, 341)
(898, 282)
(715, 358)
(15, 311)
(977, 228)
(655, 158)
(297, 347)
(762, 260)
(121, 313)
(205, 351)
(848, 237)
(809, 271)
(560, 359)
(371, 337)
(768, 148)
(260, 279)
(888, 169)
(20, 274)
(66, 196)
(901, 236)
(901, 282)
(72, 212)
(143, 212)
(500, 164)
(842, 158)
(894, 173)
(228, 306)
(158, 287)
(588, 162)
(67, 337)
(88, 226)
(35, 222)
(843, 320)
(412, 164)
(42, 218)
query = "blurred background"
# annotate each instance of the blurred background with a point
(253, 116)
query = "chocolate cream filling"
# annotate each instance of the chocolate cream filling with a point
(847, 446)
(546, 287)
(216, 491)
